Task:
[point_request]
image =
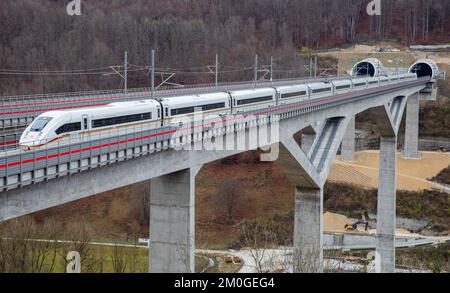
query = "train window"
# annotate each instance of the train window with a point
(120, 120)
(254, 100)
(167, 112)
(40, 124)
(213, 106)
(284, 96)
(159, 113)
(340, 87)
(182, 111)
(69, 127)
(321, 90)
(187, 110)
(360, 84)
(372, 82)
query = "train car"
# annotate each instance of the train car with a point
(394, 77)
(248, 100)
(320, 89)
(181, 109)
(407, 76)
(84, 124)
(411, 75)
(384, 80)
(341, 86)
(373, 81)
(292, 94)
(359, 83)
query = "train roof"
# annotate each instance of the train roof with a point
(197, 99)
(360, 80)
(341, 82)
(292, 88)
(253, 92)
(319, 85)
(113, 108)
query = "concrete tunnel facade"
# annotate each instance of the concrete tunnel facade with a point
(425, 67)
(368, 67)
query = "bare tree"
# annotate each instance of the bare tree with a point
(259, 238)
(119, 259)
(28, 247)
(78, 238)
(229, 195)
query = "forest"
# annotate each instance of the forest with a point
(43, 49)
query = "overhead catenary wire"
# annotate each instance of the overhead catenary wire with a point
(121, 69)
(55, 71)
(63, 73)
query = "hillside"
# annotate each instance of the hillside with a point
(412, 175)
(43, 50)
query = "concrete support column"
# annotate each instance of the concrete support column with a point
(411, 147)
(348, 142)
(308, 231)
(385, 245)
(172, 223)
(307, 141)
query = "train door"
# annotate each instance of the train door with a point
(85, 127)
(85, 123)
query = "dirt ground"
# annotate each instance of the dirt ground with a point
(335, 222)
(404, 58)
(412, 175)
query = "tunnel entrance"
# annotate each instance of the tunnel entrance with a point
(422, 69)
(364, 69)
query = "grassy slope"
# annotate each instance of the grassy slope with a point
(443, 176)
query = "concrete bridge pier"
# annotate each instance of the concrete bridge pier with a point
(308, 173)
(172, 222)
(385, 246)
(308, 218)
(348, 142)
(308, 231)
(388, 118)
(411, 147)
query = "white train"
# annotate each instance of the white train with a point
(85, 124)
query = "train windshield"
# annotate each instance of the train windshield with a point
(40, 123)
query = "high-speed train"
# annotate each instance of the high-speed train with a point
(85, 124)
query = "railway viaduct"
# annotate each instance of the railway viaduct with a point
(171, 158)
